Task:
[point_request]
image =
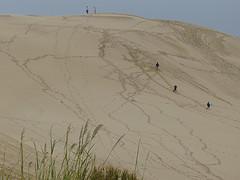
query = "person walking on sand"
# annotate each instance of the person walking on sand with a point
(208, 105)
(87, 10)
(157, 66)
(174, 88)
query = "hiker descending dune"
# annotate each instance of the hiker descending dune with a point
(157, 66)
(175, 88)
(208, 105)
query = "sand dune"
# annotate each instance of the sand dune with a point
(60, 70)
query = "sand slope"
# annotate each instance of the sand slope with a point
(60, 70)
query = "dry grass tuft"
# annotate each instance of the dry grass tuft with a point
(77, 162)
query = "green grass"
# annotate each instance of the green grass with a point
(76, 163)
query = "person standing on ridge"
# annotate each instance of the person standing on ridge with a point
(87, 10)
(95, 10)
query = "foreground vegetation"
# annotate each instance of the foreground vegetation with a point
(77, 162)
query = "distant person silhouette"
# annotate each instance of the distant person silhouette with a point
(174, 88)
(87, 10)
(95, 10)
(208, 105)
(157, 65)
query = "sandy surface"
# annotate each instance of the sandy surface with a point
(60, 70)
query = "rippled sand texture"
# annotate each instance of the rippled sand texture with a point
(60, 70)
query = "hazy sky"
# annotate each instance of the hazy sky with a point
(223, 15)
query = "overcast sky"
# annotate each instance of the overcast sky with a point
(222, 15)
